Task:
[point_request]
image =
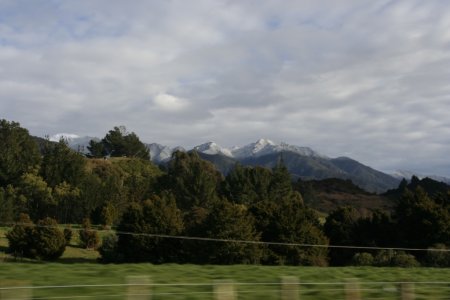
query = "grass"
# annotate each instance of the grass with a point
(78, 267)
(45, 274)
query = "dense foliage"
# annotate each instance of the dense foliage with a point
(42, 241)
(251, 215)
(117, 143)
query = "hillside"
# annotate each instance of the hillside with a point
(313, 168)
(328, 194)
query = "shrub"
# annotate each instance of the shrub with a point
(89, 238)
(44, 241)
(363, 259)
(404, 260)
(383, 258)
(20, 237)
(435, 258)
(49, 241)
(108, 250)
(386, 258)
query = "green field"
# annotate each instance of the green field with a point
(77, 275)
(173, 281)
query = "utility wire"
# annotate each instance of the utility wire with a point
(212, 239)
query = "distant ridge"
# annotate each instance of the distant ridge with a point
(302, 162)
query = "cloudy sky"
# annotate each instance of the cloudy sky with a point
(364, 79)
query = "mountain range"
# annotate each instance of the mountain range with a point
(302, 162)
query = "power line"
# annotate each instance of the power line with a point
(212, 239)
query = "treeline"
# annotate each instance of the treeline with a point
(152, 209)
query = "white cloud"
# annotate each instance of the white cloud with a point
(367, 78)
(170, 103)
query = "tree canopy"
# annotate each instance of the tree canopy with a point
(19, 153)
(119, 142)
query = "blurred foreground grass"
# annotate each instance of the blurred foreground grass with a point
(79, 267)
(374, 282)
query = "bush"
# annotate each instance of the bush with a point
(363, 259)
(404, 260)
(386, 258)
(44, 241)
(159, 215)
(435, 258)
(108, 250)
(383, 258)
(20, 238)
(89, 238)
(49, 241)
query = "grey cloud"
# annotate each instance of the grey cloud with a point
(366, 79)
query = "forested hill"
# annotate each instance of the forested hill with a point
(301, 162)
(118, 186)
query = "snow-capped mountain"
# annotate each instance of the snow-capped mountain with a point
(161, 153)
(212, 149)
(265, 146)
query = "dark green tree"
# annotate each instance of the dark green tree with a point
(140, 178)
(228, 221)
(117, 143)
(420, 221)
(193, 181)
(289, 221)
(62, 164)
(35, 197)
(19, 153)
(340, 228)
(158, 215)
(106, 186)
(96, 149)
(247, 185)
(68, 202)
(281, 183)
(375, 230)
(8, 209)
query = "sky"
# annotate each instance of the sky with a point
(365, 79)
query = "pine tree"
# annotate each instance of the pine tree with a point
(19, 153)
(62, 164)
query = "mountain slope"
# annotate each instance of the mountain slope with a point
(315, 167)
(364, 176)
(327, 195)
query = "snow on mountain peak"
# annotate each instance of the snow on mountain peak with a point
(265, 146)
(265, 142)
(212, 149)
